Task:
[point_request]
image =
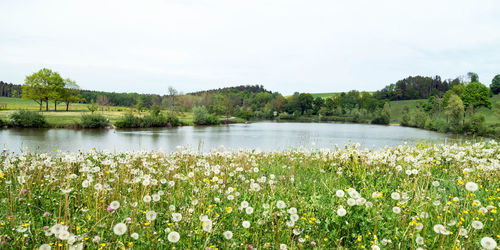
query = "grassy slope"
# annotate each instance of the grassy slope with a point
(492, 115)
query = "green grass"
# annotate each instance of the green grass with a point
(324, 95)
(393, 198)
(63, 118)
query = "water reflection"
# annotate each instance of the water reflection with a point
(260, 135)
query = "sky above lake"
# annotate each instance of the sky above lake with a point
(286, 45)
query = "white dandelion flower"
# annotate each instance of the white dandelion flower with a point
(156, 197)
(488, 243)
(135, 236)
(280, 204)
(147, 199)
(246, 224)
(438, 228)
(340, 193)
(471, 186)
(462, 232)
(395, 196)
(207, 225)
(115, 205)
(351, 202)
(419, 240)
(151, 215)
(120, 229)
(173, 237)
(176, 217)
(45, 247)
(396, 210)
(249, 210)
(341, 211)
(283, 247)
(228, 235)
(477, 224)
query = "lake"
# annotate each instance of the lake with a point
(265, 136)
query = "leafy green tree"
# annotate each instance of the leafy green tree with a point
(473, 77)
(420, 119)
(305, 102)
(93, 107)
(495, 84)
(455, 110)
(405, 118)
(476, 95)
(42, 86)
(172, 93)
(202, 117)
(318, 104)
(70, 93)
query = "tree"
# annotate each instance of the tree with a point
(305, 102)
(42, 86)
(495, 84)
(455, 110)
(476, 95)
(318, 104)
(473, 77)
(405, 119)
(171, 95)
(71, 93)
(92, 107)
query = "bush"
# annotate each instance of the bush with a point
(149, 121)
(27, 119)
(3, 123)
(94, 121)
(128, 120)
(202, 117)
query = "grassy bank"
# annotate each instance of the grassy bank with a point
(429, 196)
(62, 118)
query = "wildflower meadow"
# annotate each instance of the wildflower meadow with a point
(421, 196)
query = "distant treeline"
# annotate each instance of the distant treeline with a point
(416, 87)
(10, 90)
(242, 88)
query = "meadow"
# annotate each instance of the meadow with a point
(421, 196)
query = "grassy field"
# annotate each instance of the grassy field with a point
(63, 118)
(408, 197)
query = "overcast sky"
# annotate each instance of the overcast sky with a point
(287, 46)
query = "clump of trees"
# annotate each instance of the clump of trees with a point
(201, 116)
(47, 85)
(455, 110)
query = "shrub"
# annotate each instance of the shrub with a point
(128, 120)
(27, 119)
(173, 120)
(202, 117)
(3, 123)
(93, 121)
(149, 121)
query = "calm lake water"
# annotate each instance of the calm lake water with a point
(260, 135)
